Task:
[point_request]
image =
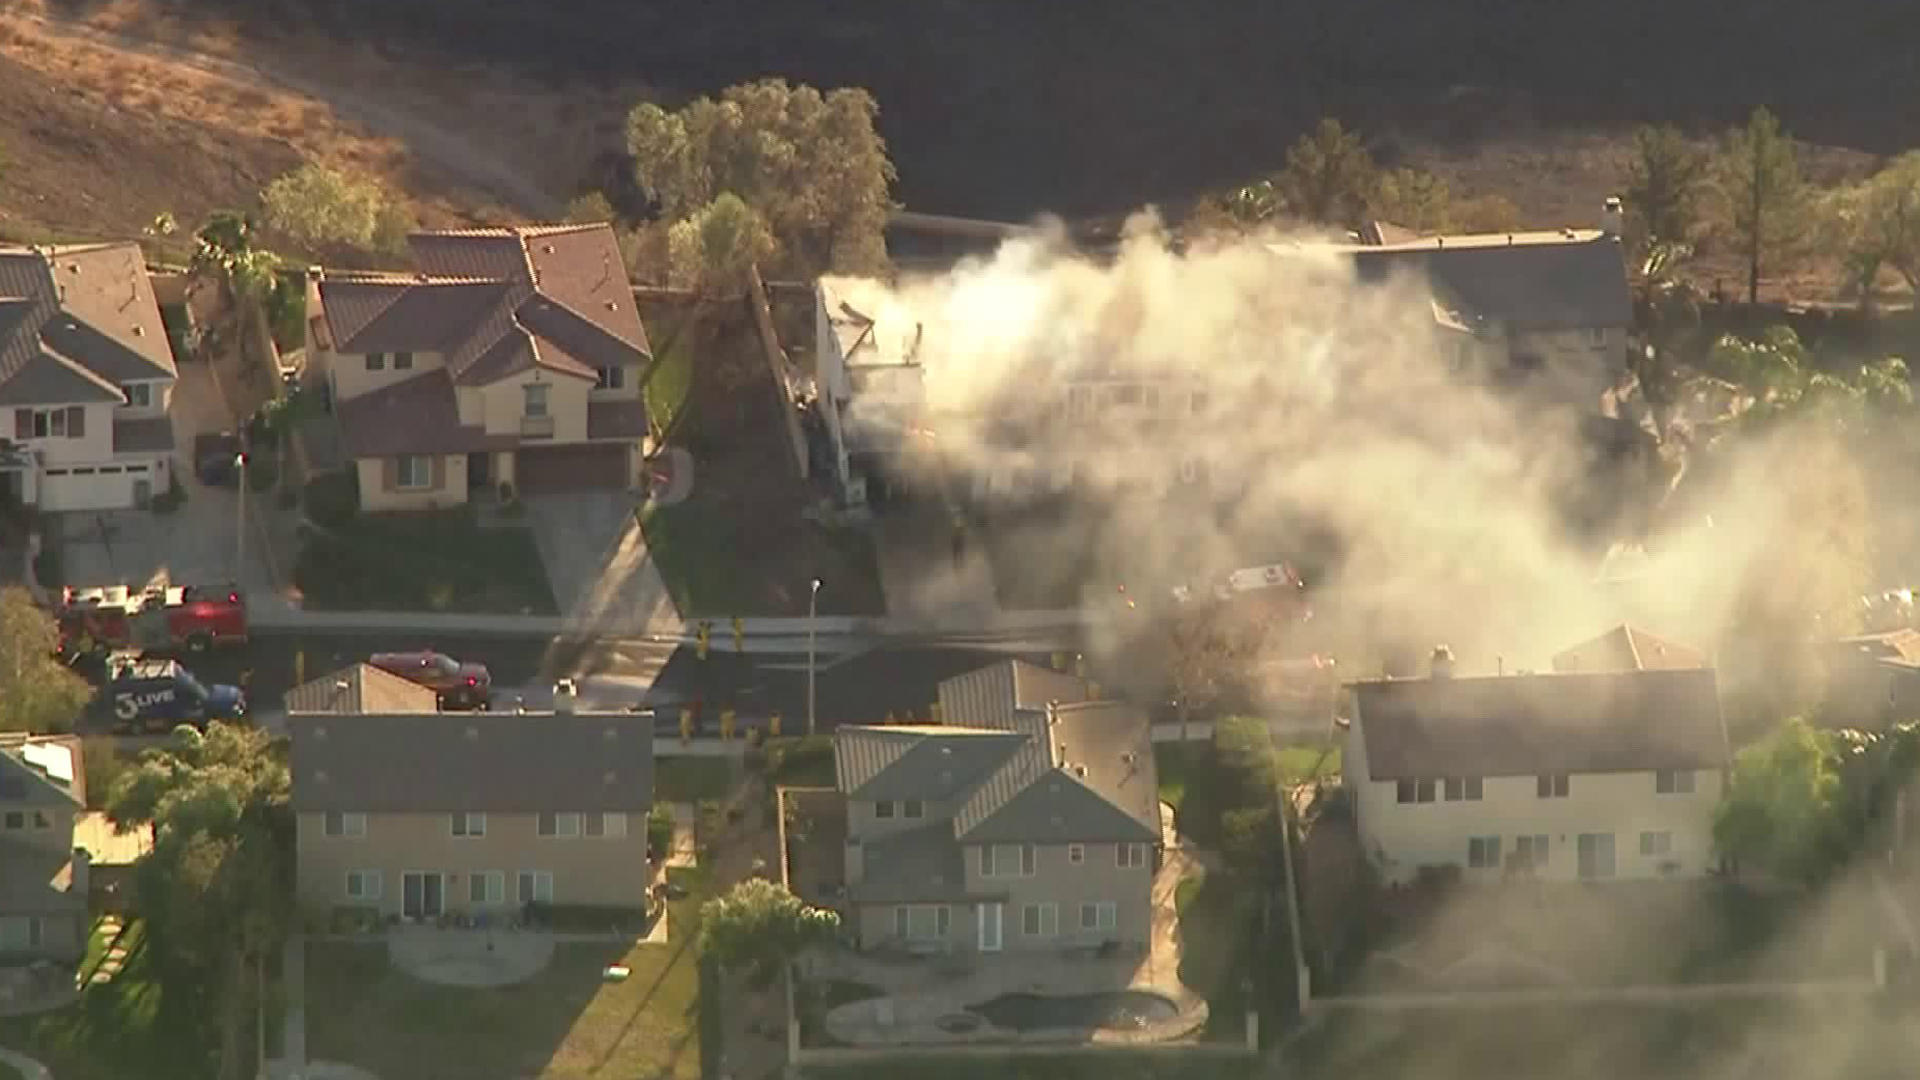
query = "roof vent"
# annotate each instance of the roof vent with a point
(73, 268)
(611, 306)
(611, 735)
(320, 776)
(319, 732)
(139, 331)
(609, 777)
(547, 248)
(1053, 789)
(473, 733)
(342, 685)
(1439, 241)
(1509, 239)
(946, 751)
(1080, 771)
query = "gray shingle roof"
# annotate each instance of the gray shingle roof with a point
(366, 689)
(935, 764)
(500, 762)
(1538, 282)
(990, 696)
(922, 865)
(1624, 648)
(89, 306)
(25, 780)
(34, 879)
(1525, 725)
(51, 379)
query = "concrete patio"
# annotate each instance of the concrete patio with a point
(471, 958)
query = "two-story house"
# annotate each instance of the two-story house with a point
(1029, 822)
(43, 876)
(360, 688)
(1568, 776)
(88, 373)
(515, 357)
(1628, 648)
(419, 814)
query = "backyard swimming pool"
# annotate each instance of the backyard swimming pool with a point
(1119, 1009)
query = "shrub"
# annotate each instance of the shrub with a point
(333, 499)
(262, 474)
(660, 832)
(586, 917)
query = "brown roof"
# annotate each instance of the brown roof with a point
(361, 688)
(500, 762)
(1624, 648)
(1524, 725)
(418, 416)
(497, 302)
(78, 320)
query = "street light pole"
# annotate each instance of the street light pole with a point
(240, 523)
(813, 622)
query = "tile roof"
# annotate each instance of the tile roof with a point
(1624, 648)
(361, 688)
(88, 307)
(418, 416)
(1523, 725)
(498, 762)
(42, 770)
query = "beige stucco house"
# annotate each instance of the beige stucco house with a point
(418, 815)
(515, 356)
(1568, 776)
(43, 876)
(1028, 822)
(87, 373)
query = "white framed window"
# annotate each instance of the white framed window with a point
(1552, 785)
(561, 826)
(1596, 337)
(1656, 843)
(922, 922)
(345, 824)
(883, 809)
(613, 377)
(403, 361)
(69, 422)
(363, 884)
(535, 887)
(1483, 852)
(1076, 854)
(1532, 850)
(138, 395)
(488, 887)
(609, 826)
(1040, 920)
(1129, 856)
(1413, 791)
(1464, 789)
(376, 361)
(469, 824)
(20, 932)
(1673, 782)
(1006, 860)
(413, 471)
(913, 808)
(1098, 915)
(536, 398)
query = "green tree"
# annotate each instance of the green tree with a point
(37, 692)
(715, 247)
(318, 205)
(1667, 180)
(217, 888)
(1491, 212)
(590, 208)
(1414, 198)
(1781, 810)
(1877, 224)
(1768, 202)
(224, 252)
(1784, 382)
(758, 926)
(812, 165)
(1329, 177)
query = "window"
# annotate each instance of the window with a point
(1483, 852)
(1412, 791)
(469, 824)
(19, 932)
(1124, 395)
(15, 819)
(1595, 852)
(913, 808)
(1597, 337)
(612, 826)
(1006, 860)
(67, 423)
(1656, 843)
(922, 922)
(413, 471)
(488, 887)
(883, 809)
(1531, 850)
(1673, 782)
(363, 884)
(1076, 853)
(1463, 789)
(1040, 920)
(403, 361)
(564, 826)
(1552, 786)
(139, 395)
(376, 361)
(535, 887)
(536, 398)
(610, 378)
(42, 819)
(1098, 915)
(1129, 856)
(341, 824)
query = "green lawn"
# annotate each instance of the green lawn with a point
(566, 1023)
(8, 1072)
(115, 1030)
(431, 561)
(1175, 763)
(800, 762)
(692, 779)
(1302, 764)
(722, 558)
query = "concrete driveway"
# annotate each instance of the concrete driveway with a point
(597, 564)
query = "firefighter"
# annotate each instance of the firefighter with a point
(739, 635)
(686, 725)
(773, 725)
(702, 637)
(726, 725)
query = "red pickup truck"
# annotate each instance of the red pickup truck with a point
(153, 620)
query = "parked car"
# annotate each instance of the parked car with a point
(159, 695)
(157, 620)
(215, 457)
(460, 686)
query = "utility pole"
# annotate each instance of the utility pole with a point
(240, 523)
(813, 623)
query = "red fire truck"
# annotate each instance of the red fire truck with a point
(154, 620)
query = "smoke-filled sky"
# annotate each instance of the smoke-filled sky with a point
(1342, 410)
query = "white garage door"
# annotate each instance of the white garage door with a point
(89, 487)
